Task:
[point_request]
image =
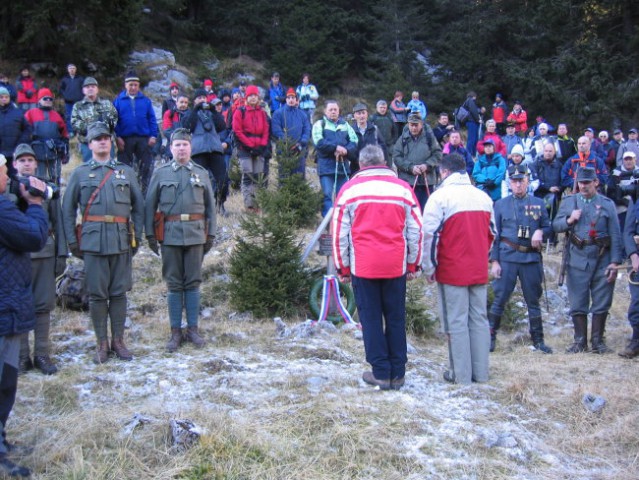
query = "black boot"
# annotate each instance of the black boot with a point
(494, 321)
(580, 321)
(537, 335)
(597, 333)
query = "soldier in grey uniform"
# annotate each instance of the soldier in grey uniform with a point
(46, 265)
(594, 250)
(182, 194)
(522, 223)
(108, 198)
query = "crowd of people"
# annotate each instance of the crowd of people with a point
(394, 185)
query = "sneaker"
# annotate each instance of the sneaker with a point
(11, 469)
(369, 378)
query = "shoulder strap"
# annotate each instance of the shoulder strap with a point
(95, 194)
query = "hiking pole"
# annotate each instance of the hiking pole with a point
(543, 276)
(426, 184)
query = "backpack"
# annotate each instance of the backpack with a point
(70, 288)
(461, 114)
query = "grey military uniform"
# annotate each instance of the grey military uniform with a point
(179, 192)
(595, 243)
(116, 214)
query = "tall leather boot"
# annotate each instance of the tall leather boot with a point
(117, 313)
(24, 361)
(537, 335)
(101, 352)
(495, 322)
(632, 349)
(597, 333)
(580, 321)
(192, 306)
(175, 341)
(99, 312)
(41, 359)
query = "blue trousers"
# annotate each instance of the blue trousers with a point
(471, 142)
(326, 183)
(381, 304)
(530, 276)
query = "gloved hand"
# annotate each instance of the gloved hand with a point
(208, 244)
(60, 265)
(153, 245)
(489, 184)
(75, 250)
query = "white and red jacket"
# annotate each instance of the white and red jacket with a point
(377, 227)
(459, 228)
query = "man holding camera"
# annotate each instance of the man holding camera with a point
(46, 265)
(111, 204)
(20, 233)
(522, 222)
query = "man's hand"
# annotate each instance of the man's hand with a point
(208, 244)
(341, 151)
(611, 272)
(153, 245)
(431, 278)
(344, 278)
(120, 144)
(574, 217)
(537, 239)
(75, 250)
(554, 190)
(495, 269)
(152, 141)
(634, 259)
(38, 185)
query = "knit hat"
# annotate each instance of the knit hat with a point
(252, 90)
(4, 91)
(89, 81)
(291, 93)
(22, 150)
(97, 130)
(181, 134)
(208, 82)
(517, 150)
(131, 76)
(199, 92)
(45, 92)
(173, 85)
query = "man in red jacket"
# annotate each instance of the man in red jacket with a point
(251, 129)
(459, 228)
(377, 239)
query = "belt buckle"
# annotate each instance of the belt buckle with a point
(109, 218)
(185, 217)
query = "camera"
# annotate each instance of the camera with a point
(205, 106)
(50, 192)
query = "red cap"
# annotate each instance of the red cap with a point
(173, 85)
(208, 82)
(252, 90)
(45, 92)
(291, 92)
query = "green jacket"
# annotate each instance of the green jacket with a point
(119, 197)
(181, 189)
(424, 149)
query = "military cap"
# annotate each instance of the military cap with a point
(586, 174)
(181, 134)
(89, 81)
(517, 171)
(22, 150)
(359, 107)
(97, 130)
(415, 118)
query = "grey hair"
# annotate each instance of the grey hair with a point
(382, 103)
(371, 155)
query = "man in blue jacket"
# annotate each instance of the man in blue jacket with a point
(137, 129)
(275, 94)
(20, 233)
(291, 125)
(14, 128)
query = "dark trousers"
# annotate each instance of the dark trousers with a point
(137, 154)
(531, 277)
(9, 351)
(215, 165)
(381, 304)
(471, 143)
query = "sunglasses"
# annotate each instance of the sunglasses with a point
(47, 99)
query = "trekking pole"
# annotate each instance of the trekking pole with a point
(543, 276)
(426, 184)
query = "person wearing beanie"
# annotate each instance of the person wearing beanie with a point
(14, 128)
(547, 170)
(27, 89)
(170, 101)
(251, 129)
(290, 126)
(517, 158)
(541, 139)
(5, 83)
(210, 93)
(50, 137)
(137, 129)
(90, 109)
(71, 91)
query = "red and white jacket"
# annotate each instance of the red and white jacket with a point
(377, 227)
(459, 228)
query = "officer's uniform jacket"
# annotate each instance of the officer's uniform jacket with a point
(510, 214)
(181, 190)
(598, 220)
(120, 197)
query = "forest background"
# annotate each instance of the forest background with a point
(574, 60)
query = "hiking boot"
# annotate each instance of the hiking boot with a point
(24, 364)
(537, 335)
(495, 322)
(369, 378)
(449, 377)
(597, 331)
(175, 341)
(120, 350)
(397, 383)
(542, 347)
(194, 337)
(101, 352)
(9, 468)
(44, 364)
(632, 350)
(580, 344)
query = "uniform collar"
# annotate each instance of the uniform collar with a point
(112, 164)
(176, 166)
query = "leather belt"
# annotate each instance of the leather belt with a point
(106, 219)
(601, 242)
(184, 217)
(518, 247)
